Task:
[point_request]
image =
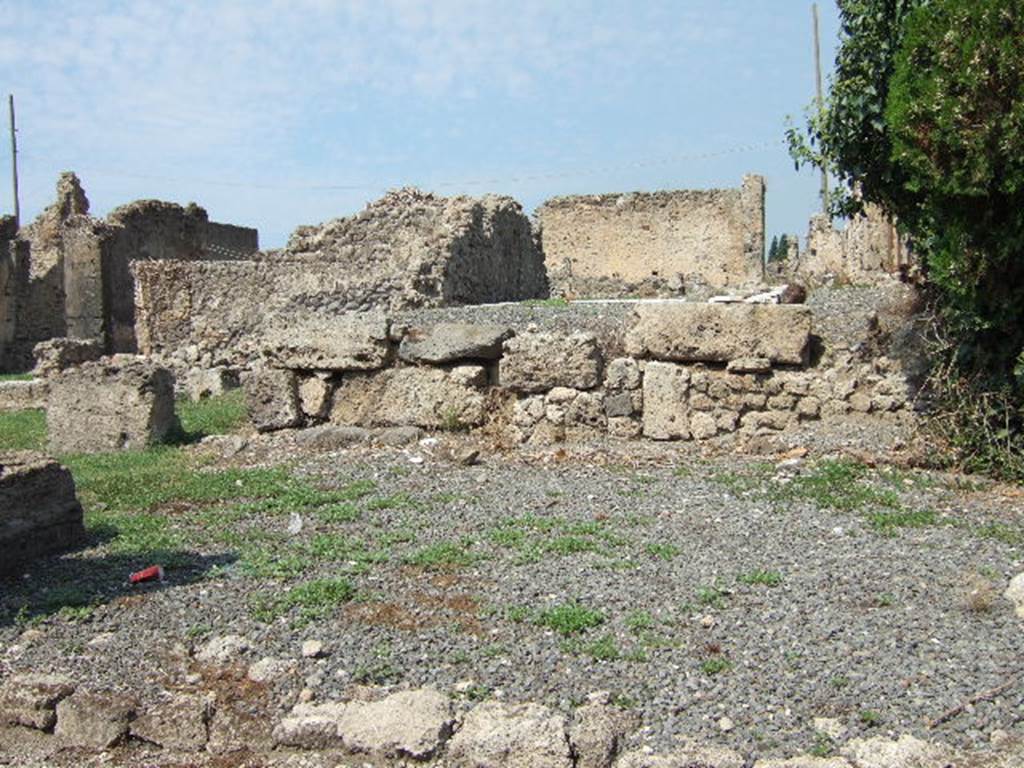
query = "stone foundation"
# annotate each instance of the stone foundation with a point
(39, 513)
(684, 372)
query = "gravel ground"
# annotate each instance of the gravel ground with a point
(762, 592)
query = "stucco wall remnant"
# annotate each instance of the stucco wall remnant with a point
(654, 243)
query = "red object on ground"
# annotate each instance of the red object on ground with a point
(147, 574)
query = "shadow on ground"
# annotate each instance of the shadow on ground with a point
(73, 585)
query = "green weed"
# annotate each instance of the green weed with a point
(761, 577)
(445, 554)
(570, 619)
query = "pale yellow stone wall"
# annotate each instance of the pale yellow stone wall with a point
(609, 244)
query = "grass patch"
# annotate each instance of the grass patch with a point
(889, 522)
(715, 666)
(341, 548)
(712, 596)
(556, 301)
(569, 619)
(662, 551)
(16, 377)
(639, 621)
(760, 577)
(840, 484)
(445, 554)
(602, 649)
(218, 415)
(313, 600)
(23, 430)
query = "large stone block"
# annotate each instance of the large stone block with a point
(499, 735)
(93, 720)
(31, 700)
(433, 398)
(272, 399)
(57, 355)
(666, 406)
(453, 342)
(350, 343)
(537, 362)
(122, 402)
(719, 333)
(39, 513)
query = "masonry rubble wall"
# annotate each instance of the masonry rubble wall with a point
(653, 244)
(760, 373)
(67, 274)
(408, 249)
(39, 512)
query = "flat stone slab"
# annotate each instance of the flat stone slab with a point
(719, 333)
(39, 512)
(31, 700)
(452, 342)
(353, 343)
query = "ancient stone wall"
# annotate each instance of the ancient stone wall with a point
(656, 243)
(684, 371)
(8, 289)
(227, 241)
(409, 249)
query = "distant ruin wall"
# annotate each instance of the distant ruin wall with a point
(869, 248)
(609, 245)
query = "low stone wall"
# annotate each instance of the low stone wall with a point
(39, 513)
(656, 243)
(23, 395)
(686, 371)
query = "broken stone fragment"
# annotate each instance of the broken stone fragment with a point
(31, 700)
(94, 720)
(597, 732)
(499, 735)
(39, 511)
(119, 403)
(272, 399)
(905, 752)
(410, 724)
(453, 342)
(329, 437)
(223, 650)
(1015, 594)
(690, 754)
(666, 409)
(749, 365)
(178, 722)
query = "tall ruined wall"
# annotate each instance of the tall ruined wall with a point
(68, 274)
(413, 248)
(658, 242)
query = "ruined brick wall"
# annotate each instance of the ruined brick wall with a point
(658, 242)
(413, 248)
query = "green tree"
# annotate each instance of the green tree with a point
(925, 116)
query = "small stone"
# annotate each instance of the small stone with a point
(313, 649)
(306, 695)
(102, 640)
(707, 621)
(223, 650)
(1015, 594)
(267, 670)
(398, 436)
(725, 724)
(830, 726)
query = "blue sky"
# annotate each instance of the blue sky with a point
(278, 113)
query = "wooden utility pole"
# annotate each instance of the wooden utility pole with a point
(821, 103)
(14, 162)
